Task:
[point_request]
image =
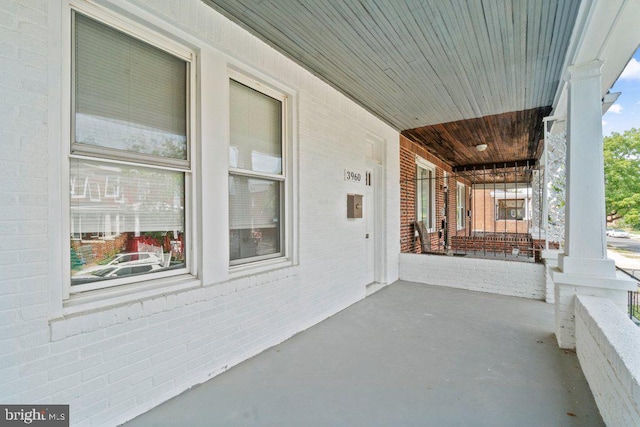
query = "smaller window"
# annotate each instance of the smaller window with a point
(257, 177)
(425, 195)
(510, 209)
(461, 205)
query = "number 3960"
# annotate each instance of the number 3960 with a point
(353, 176)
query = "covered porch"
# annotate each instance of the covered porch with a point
(339, 322)
(411, 354)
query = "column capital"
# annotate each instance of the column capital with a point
(584, 71)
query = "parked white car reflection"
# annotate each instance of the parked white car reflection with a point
(120, 270)
(123, 264)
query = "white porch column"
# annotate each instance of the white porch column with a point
(583, 267)
(585, 240)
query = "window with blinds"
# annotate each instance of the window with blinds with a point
(256, 175)
(425, 196)
(129, 97)
(129, 163)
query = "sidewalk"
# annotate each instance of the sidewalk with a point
(624, 262)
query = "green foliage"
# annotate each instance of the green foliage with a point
(622, 177)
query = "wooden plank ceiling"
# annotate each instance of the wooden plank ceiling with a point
(420, 63)
(509, 136)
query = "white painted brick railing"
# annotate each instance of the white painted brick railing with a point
(608, 346)
(526, 280)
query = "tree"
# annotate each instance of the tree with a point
(622, 176)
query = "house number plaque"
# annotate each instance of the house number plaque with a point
(352, 176)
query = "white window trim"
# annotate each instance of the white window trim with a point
(287, 255)
(424, 164)
(118, 287)
(461, 188)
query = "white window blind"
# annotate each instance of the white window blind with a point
(128, 95)
(256, 130)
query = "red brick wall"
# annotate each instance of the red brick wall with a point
(407, 200)
(100, 249)
(408, 241)
(497, 243)
(484, 215)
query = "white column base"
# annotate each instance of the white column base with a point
(550, 257)
(594, 267)
(567, 286)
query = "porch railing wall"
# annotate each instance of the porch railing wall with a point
(502, 212)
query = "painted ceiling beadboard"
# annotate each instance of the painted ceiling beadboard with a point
(419, 63)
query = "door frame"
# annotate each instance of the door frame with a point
(379, 220)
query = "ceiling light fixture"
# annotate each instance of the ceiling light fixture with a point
(481, 147)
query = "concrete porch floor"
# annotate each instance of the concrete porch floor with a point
(410, 354)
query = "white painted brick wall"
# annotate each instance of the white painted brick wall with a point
(23, 200)
(113, 364)
(564, 309)
(608, 346)
(519, 279)
(565, 297)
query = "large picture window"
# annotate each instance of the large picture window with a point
(256, 174)
(425, 196)
(129, 168)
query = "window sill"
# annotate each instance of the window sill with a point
(239, 271)
(90, 301)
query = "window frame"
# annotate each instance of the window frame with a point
(73, 151)
(284, 178)
(505, 200)
(423, 164)
(461, 205)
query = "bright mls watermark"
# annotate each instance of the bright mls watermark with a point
(39, 415)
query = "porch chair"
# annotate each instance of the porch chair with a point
(422, 234)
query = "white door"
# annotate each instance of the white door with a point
(369, 213)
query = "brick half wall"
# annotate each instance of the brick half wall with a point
(607, 344)
(526, 280)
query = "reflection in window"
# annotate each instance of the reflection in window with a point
(513, 209)
(138, 230)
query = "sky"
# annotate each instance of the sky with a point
(625, 113)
